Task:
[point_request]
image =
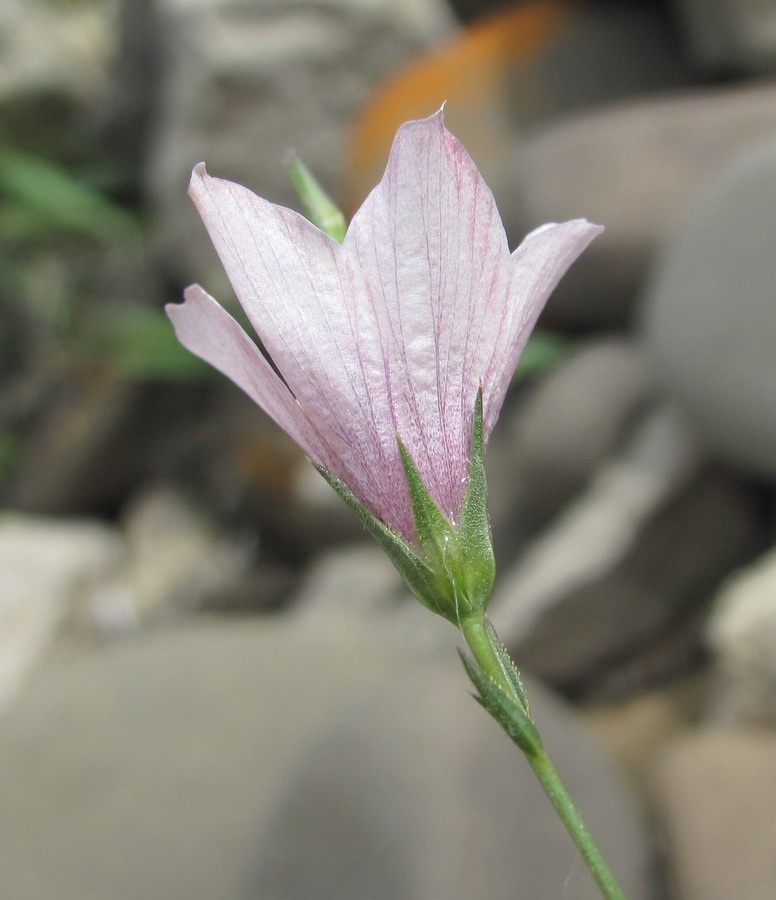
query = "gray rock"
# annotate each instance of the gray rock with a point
(604, 53)
(96, 435)
(709, 319)
(54, 50)
(349, 582)
(176, 561)
(546, 446)
(673, 645)
(247, 81)
(358, 583)
(730, 35)
(639, 728)
(742, 636)
(415, 795)
(176, 766)
(46, 566)
(598, 529)
(637, 168)
(146, 767)
(317, 515)
(518, 70)
(716, 796)
(652, 535)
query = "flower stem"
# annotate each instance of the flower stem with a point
(479, 634)
(484, 645)
(564, 806)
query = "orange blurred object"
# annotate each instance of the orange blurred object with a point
(472, 73)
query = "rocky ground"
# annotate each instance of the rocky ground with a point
(211, 683)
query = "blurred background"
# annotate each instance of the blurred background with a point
(211, 683)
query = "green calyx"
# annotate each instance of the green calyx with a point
(452, 570)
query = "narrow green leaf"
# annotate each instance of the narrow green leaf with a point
(544, 351)
(47, 194)
(139, 343)
(512, 718)
(508, 666)
(318, 206)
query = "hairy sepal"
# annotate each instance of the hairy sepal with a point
(460, 558)
(418, 576)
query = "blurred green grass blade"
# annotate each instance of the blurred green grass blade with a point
(38, 196)
(543, 352)
(140, 343)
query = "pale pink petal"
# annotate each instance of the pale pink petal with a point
(206, 329)
(390, 335)
(430, 238)
(324, 328)
(538, 264)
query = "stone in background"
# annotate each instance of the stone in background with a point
(716, 795)
(247, 81)
(654, 531)
(175, 561)
(552, 433)
(709, 320)
(725, 36)
(638, 167)
(273, 760)
(742, 636)
(46, 566)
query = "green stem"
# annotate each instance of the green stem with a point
(569, 815)
(478, 632)
(480, 637)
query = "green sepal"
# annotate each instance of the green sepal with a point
(508, 713)
(474, 531)
(461, 558)
(318, 206)
(439, 544)
(417, 574)
(435, 532)
(451, 569)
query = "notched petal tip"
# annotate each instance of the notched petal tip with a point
(198, 175)
(192, 295)
(178, 313)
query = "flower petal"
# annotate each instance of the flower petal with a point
(538, 264)
(323, 327)
(430, 238)
(206, 329)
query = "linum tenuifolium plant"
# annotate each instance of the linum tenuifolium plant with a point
(396, 340)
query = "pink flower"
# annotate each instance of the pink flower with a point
(390, 334)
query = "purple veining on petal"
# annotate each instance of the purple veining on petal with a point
(392, 333)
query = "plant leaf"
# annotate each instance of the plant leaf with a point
(510, 715)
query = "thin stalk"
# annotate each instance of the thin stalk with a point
(480, 635)
(564, 806)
